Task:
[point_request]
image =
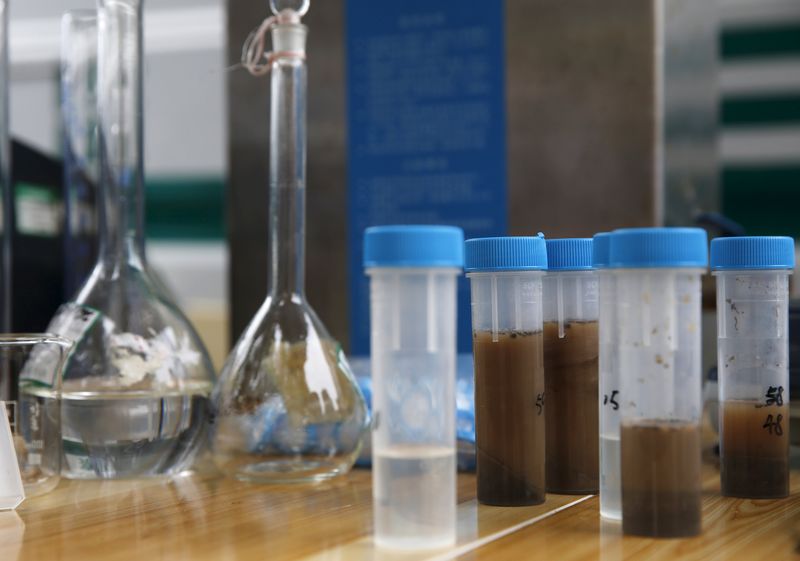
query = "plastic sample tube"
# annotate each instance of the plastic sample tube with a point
(506, 284)
(658, 343)
(609, 398)
(753, 361)
(413, 272)
(570, 367)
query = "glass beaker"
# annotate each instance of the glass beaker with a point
(413, 272)
(609, 398)
(570, 367)
(287, 407)
(35, 361)
(81, 157)
(6, 198)
(658, 272)
(135, 389)
(506, 286)
(753, 363)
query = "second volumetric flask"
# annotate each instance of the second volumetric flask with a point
(506, 284)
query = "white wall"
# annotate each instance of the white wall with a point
(185, 132)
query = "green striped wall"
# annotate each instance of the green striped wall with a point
(186, 208)
(758, 42)
(762, 110)
(763, 194)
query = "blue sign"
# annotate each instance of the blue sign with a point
(426, 129)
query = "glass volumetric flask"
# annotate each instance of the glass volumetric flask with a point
(286, 407)
(658, 341)
(136, 386)
(753, 360)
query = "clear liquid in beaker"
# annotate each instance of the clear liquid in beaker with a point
(37, 445)
(130, 434)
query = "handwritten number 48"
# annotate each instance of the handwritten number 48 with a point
(773, 424)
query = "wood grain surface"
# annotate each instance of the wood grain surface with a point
(733, 529)
(203, 517)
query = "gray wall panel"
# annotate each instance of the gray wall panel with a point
(581, 128)
(580, 115)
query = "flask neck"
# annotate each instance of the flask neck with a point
(119, 78)
(287, 172)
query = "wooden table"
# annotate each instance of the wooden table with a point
(206, 518)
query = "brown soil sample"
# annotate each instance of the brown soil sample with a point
(571, 389)
(509, 418)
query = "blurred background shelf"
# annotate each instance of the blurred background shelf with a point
(197, 169)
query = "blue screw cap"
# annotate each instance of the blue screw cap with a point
(752, 253)
(413, 246)
(643, 248)
(569, 254)
(526, 253)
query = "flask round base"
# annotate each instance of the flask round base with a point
(128, 476)
(41, 485)
(292, 470)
